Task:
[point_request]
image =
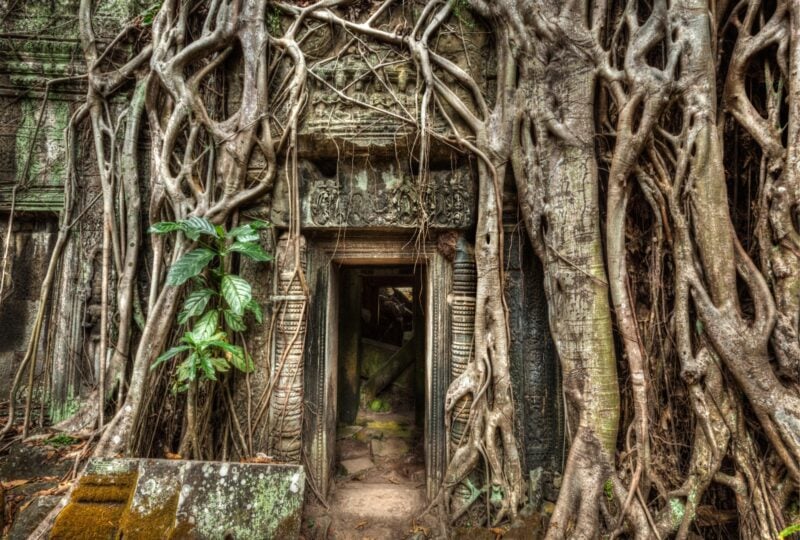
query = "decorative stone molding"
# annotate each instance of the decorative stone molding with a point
(155, 498)
(363, 196)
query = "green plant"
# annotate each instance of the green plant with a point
(608, 489)
(378, 405)
(149, 14)
(273, 20)
(791, 529)
(62, 440)
(218, 300)
(461, 12)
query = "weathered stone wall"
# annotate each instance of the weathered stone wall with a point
(534, 365)
(38, 44)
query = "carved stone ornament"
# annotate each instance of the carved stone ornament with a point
(363, 197)
(286, 405)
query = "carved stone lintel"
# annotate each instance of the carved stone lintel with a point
(286, 403)
(364, 196)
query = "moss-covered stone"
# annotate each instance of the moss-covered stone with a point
(142, 499)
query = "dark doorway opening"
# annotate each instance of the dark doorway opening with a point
(381, 374)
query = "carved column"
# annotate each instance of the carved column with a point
(462, 342)
(286, 403)
(462, 323)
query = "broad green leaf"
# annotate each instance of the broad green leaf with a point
(224, 345)
(236, 356)
(187, 370)
(252, 237)
(195, 304)
(241, 230)
(189, 265)
(252, 250)
(236, 292)
(164, 227)
(207, 367)
(248, 230)
(220, 364)
(234, 321)
(171, 353)
(195, 226)
(790, 530)
(259, 224)
(254, 308)
(188, 338)
(206, 326)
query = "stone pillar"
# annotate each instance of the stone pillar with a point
(462, 324)
(286, 403)
(534, 364)
(437, 346)
(462, 347)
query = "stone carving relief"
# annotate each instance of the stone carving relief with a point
(347, 99)
(364, 100)
(359, 196)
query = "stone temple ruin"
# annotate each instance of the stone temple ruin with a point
(387, 254)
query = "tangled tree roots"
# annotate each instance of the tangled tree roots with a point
(655, 150)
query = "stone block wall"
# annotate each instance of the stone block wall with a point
(40, 88)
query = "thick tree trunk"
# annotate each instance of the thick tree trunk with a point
(118, 436)
(566, 228)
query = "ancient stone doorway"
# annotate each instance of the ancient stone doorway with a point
(380, 457)
(331, 264)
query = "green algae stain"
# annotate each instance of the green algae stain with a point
(39, 154)
(154, 499)
(677, 511)
(247, 506)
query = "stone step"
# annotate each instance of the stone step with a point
(387, 504)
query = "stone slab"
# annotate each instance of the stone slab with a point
(185, 499)
(26, 521)
(357, 465)
(28, 461)
(392, 448)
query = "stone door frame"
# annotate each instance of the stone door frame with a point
(326, 255)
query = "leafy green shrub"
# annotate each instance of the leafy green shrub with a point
(217, 301)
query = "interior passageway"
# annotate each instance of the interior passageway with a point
(380, 472)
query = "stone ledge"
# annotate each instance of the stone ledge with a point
(152, 498)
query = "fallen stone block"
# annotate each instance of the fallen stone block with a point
(151, 498)
(389, 448)
(357, 465)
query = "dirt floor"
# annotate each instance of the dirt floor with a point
(33, 476)
(379, 490)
